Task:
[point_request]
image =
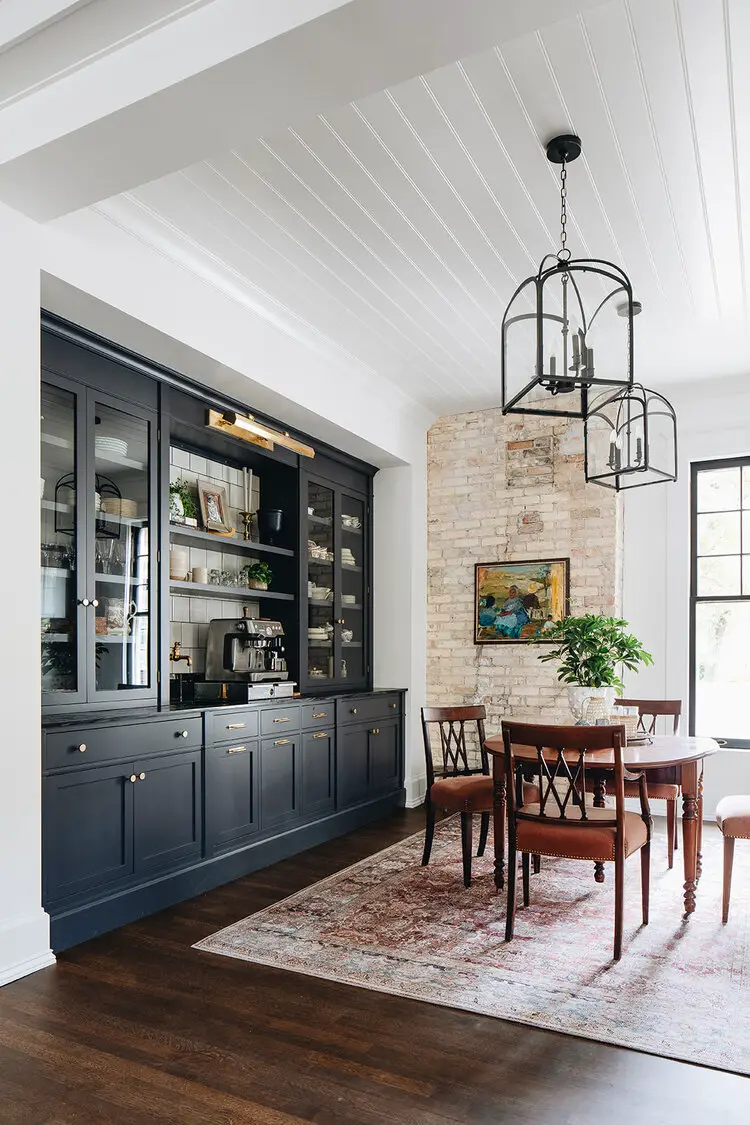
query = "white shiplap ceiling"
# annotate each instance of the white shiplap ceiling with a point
(391, 232)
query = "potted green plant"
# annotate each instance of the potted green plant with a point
(588, 652)
(258, 575)
(182, 506)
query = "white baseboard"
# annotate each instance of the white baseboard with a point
(416, 787)
(24, 946)
(24, 968)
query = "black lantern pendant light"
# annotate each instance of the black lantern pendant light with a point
(568, 329)
(630, 439)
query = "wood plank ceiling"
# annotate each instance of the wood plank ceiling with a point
(391, 233)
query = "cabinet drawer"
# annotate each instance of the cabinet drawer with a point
(104, 744)
(277, 720)
(368, 708)
(318, 714)
(234, 725)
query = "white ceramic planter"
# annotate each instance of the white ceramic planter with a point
(582, 705)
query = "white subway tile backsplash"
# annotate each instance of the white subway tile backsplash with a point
(236, 497)
(202, 639)
(179, 457)
(198, 464)
(175, 632)
(197, 557)
(199, 611)
(214, 560)
(199, 661)
(235, 477)
(182, 609)
(190, 635)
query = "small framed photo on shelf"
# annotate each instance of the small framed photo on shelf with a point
(214, 507)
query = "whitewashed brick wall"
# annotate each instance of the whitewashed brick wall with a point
(489, 503)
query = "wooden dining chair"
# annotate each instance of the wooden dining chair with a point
(458, 775)
(649, 711)
(560, 823)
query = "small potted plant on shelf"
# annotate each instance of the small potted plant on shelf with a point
(258, 575)
(182, 506)
(588, 651)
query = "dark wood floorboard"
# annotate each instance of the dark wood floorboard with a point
(136, 1027)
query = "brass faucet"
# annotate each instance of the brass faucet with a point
(174, 655)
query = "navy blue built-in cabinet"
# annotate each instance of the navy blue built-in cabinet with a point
(148, 802)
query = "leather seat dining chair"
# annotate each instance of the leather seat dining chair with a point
(560, 822)
(649, 711)
(733, 819)
(458, 775)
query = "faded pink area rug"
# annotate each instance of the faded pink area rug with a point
(682, 988)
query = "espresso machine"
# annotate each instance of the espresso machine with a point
(246, 656)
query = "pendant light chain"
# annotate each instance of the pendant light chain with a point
(563, 253)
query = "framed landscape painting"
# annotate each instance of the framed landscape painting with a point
(519, 601)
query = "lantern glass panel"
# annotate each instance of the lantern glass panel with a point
(630, 439)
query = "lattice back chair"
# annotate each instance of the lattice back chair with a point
(458, 774)
(649, 713)
(560, 823)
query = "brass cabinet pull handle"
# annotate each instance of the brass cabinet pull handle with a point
(141, 777)
(319, 714)
(235, 726)
(340, 621)
(236, 749)
(82, 748)
(320, 734)
(375, 730)
(133, 778)
(393, 706)
(282, 741)
(285, 720)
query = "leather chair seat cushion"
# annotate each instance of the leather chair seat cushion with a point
(659, 790)
(733, 816)
(470, 793)
(573, 839)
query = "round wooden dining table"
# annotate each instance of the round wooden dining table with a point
(673, 759)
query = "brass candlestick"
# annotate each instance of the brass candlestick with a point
(246, 520)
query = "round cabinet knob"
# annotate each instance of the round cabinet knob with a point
(133, 778)
(142, 776)
(84, 601)
(354, 710)
(339, 620)
(95, 602)
(184, 734)
(393, 706)
(82, 748)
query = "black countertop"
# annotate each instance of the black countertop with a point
(85, 717)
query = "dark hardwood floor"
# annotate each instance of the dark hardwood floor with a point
(136, 1027)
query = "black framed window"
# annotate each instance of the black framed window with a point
(720, 600)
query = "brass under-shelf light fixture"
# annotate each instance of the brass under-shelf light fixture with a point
(245, 427)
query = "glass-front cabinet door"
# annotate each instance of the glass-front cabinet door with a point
(121, 516)
(98, 511)
(335, 650)
(62, 612)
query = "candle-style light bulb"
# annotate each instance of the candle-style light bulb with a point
(638, 451)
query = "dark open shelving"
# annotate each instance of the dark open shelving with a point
(228, 593)
(193, 537)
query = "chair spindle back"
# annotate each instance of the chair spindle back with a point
(452, 723)
(649, 710)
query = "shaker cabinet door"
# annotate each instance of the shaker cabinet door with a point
(352, 769)
(280, 781)
(167, 812)
(384, 758)
(317, 771)
(232, 795)
(88, 830)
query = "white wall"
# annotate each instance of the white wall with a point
(713, 421)
(24, 927)
(400, 600)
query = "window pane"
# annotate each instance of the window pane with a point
(722, 669)
(746, 574)
(746, 486)
(718, 576)
(719, 490)
(719, 534)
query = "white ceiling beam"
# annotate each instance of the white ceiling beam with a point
(228, 72)
(21, 18)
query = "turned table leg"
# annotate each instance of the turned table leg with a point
(600, 792)
(699, 853)
(498, 818)
(690, 804)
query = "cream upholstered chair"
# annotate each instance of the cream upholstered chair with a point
(733, 819)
